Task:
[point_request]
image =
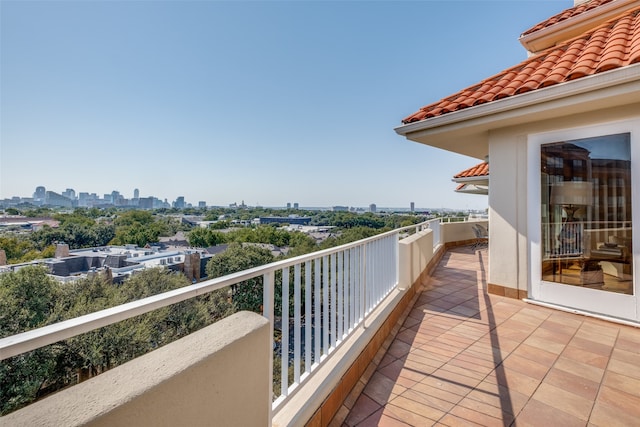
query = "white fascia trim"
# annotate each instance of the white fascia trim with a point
(567, 25)
(481, 178)
(580, 86)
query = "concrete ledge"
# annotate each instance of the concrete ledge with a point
(216, 376)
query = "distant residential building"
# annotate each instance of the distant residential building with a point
(412, 206)
(119, 262)
(136, 194)
(340, 208)
(202, 204)
(372, 207)
(289, 205)
(296, 206)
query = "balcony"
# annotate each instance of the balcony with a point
(466, 357)
(406, 335)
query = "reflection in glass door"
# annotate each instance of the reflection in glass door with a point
(586, 213)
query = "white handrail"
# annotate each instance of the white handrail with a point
(338, 289)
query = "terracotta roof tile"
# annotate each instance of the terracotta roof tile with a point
(612, 45)
(566, 14)
(481, 169)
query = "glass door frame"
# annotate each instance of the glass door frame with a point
(594, 301)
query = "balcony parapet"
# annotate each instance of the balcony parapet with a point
(218, 375)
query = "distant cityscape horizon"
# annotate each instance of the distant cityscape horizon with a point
(69, 198)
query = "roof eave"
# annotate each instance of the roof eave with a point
(473, 189)
(481, 180)
(574, 26)
(466, 131)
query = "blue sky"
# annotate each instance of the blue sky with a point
(266, 101)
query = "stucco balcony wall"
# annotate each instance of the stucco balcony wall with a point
(415, 252)
(459, 233)
(216, 376)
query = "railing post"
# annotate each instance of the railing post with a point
(268, 298)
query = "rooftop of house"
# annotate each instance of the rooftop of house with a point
(567, 14)
(481, 169)
(607, 46)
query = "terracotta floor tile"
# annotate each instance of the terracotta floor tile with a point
(586, 357)
(539, 355)
(406, 416)
(439, 391)
(555, 336)
(453, 421)
(545, 344)
(605, 340)
(399, 349)
(624, 343)
(508, 400)
(563, 400)
(536, 414)
(429, 399)
(589, 372)
(624, 368)
(478, 366)
(457, 378)
(560, 325)
(463, 357)
(592, 346)
(463, 371)
(526, 366)
(381, 389)
(476, 417)
(576, 384)
(486, 409)
(600, 327)
(362, 409)
(514, 381)
(606, 415)
(411, 405)
(378, 419)
(449, 388)
(626, 356)
(624, 402)
(622, 382)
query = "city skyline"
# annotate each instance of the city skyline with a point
(39, 195)
(262, 101)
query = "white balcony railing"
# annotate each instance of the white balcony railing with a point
(332, 292)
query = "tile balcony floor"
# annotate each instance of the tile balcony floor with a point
(462, 357)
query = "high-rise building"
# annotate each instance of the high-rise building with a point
(40, 194)
(69, 193)
(179, 203)
(296, 206)
(372, 207)
(136, 194)
(413, 206)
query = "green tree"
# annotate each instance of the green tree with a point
(245, 295)
(27, 300)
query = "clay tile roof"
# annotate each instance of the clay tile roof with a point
(566, 14)
(612, 45)
(481, 169)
